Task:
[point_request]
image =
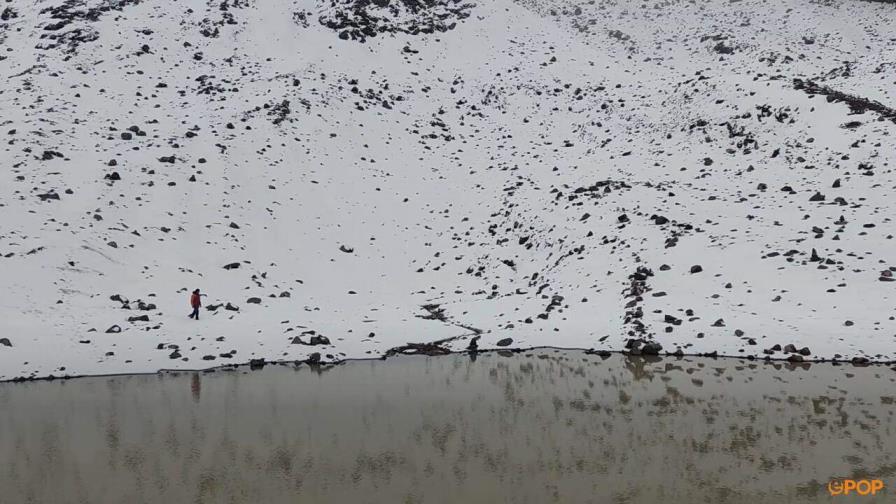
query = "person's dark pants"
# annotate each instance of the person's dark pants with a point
(195, 313)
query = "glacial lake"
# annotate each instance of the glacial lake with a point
(539, 426)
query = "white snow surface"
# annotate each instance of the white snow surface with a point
(446, 165)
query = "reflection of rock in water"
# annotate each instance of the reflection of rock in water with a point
(419, 429)
(195, 387)
(637, 364)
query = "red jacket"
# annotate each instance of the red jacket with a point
(194, 301)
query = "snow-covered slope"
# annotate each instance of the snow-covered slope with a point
(401, 171)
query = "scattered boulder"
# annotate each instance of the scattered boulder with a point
(51, 195)
(113, 329)
(669, 319)
(5, 342)
(860, 361)
(504, 342)
(651, 348)
(313, 341)
(319, 340)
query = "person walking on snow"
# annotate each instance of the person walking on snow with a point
(195, 303)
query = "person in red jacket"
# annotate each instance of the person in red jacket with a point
(195, 303)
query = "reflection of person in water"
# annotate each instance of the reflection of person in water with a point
(195, 387)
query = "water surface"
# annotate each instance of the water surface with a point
(543, 426)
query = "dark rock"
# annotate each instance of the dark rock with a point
(5, 342)
(139, 318)
(113, 329)
(790, 348)
(669, 319)
(231, 307)
(253, 300)
(233, 265)
(696, 268)
(651, 348)
(805, 351)
(313, 358)
(255, 364)
(504, 342)
(319, 340)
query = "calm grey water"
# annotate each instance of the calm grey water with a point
(544, 426)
